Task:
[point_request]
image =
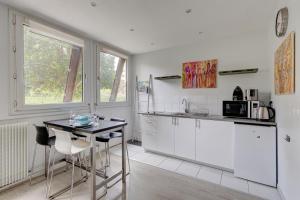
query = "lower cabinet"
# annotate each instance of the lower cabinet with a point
(184, 133)
(248, 150)
(206, 141)
(255, 153)
(149, 132)
(165, 134)
(214, 143)
(158, 133)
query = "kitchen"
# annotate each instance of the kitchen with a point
(199, 97)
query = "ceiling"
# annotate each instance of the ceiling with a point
(157, 24)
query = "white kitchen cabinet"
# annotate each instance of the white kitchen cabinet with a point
(158, 133)
(214, 143)
(255, 153)
(165, 134)
(184, 133)
(149, 133)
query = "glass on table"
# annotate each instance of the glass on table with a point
(72, 117)
(94, 119)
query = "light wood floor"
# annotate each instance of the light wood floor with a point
(144, 183)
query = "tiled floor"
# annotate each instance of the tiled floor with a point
(210, 174)
(230, 181)
(188, 169)
(198, 171)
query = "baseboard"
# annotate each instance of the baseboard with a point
(190, 160)
(280, 193)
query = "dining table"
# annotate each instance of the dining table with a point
(91, 132)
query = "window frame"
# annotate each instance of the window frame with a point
(17, 89)
(105, 49)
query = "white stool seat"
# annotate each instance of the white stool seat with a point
(65, 145)
(79, 146)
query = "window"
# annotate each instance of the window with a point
(53, 69)
(112, 78)
(48, 68)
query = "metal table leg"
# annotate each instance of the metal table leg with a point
(123, 162)
(93, 168)
(46, 162)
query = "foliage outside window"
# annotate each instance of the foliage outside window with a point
(113, 78)
(53, 69)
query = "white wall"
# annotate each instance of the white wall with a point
(5, 117)
(244, 51)
(288, 110)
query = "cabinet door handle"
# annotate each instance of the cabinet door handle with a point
(198, 123)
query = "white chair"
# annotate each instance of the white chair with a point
(65, 145)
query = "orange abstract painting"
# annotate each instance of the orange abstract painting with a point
(285, 66)
(200, 74)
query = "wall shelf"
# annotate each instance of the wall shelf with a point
(239, 71)
(167, 77)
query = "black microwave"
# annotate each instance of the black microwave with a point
(241, 109)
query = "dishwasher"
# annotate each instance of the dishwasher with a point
(255, 153)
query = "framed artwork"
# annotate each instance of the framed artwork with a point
(284, 72)
(200, 74)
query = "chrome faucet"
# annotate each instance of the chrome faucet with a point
(187, 105)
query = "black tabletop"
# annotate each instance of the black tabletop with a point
(104, 125)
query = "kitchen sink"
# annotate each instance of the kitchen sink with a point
(180, 113)
(190, 114)
(199, 114)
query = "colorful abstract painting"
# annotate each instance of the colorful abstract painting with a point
(285, 66)
(200, 74)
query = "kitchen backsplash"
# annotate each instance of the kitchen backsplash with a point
(198, 103)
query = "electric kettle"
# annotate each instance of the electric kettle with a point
(265, 113)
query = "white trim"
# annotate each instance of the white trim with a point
(17, 104)
(112, 51)
(280, 193)
(48, 31)
(105, 49)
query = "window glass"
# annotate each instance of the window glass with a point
(53, 69)
(113, 78)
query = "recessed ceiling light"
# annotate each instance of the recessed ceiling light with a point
(132, 29)
(188, 11)
(93, 4)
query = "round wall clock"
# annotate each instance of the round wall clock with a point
(282, 19)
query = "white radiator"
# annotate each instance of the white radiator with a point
(13, 153)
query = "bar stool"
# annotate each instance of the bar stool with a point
(105, 138)
(65, 145)
(43, 139)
